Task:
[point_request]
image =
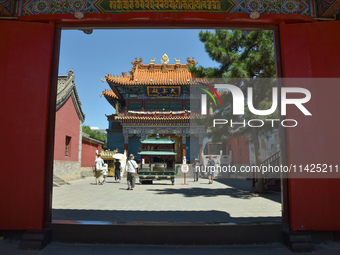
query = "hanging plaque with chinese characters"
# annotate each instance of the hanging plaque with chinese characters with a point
(164, 91)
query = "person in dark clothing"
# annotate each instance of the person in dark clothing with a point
(117, 170)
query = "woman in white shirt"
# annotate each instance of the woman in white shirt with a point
(131, 169)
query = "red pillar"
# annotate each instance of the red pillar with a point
(184, 144)
(184, 152)
(126, 144)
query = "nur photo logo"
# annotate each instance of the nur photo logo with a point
(239, 101)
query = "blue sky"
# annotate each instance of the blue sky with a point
(111, 52)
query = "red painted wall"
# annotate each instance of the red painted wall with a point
(240, 149)
(67, 123)
(312, 50)
(25, 69)
(88, 153)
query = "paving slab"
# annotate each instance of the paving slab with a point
(226, 200)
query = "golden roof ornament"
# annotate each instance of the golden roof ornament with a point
(165, 59)
(137, 62)
(192, 61)
(152, 62)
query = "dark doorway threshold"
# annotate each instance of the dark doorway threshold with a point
(166, 233)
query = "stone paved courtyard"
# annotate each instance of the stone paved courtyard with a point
(225, 201)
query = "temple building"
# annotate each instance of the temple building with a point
(154, 99)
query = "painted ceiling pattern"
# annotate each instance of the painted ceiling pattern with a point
(33, 7)
(7, 7)
(325, 4)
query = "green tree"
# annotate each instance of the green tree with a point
(95, 134)
(240, 54)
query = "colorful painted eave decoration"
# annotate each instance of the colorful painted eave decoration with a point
(33, 7)
(165, 5)
(159, 112)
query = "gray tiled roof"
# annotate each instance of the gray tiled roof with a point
(87, 137)
(67, 89)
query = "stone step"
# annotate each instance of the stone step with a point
(35, 239)
(298, 241)
(57, 181)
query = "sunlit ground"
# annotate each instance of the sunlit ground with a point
(224, 201)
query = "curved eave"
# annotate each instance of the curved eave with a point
(157, 153)
(110, 100)
(78, 106)
(71, 91)
(166, 119)
(153, 78)
(157, 143)
(113, 87)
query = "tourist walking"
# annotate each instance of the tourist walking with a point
(98, 163)
(211, 169)
(117, 170)
(105, 172)
(196, 167)
(131, 171)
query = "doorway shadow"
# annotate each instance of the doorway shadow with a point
(245, 186)
(204, 192)
(114, 216)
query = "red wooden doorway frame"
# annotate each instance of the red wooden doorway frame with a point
(55, 64)
(146, 20)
